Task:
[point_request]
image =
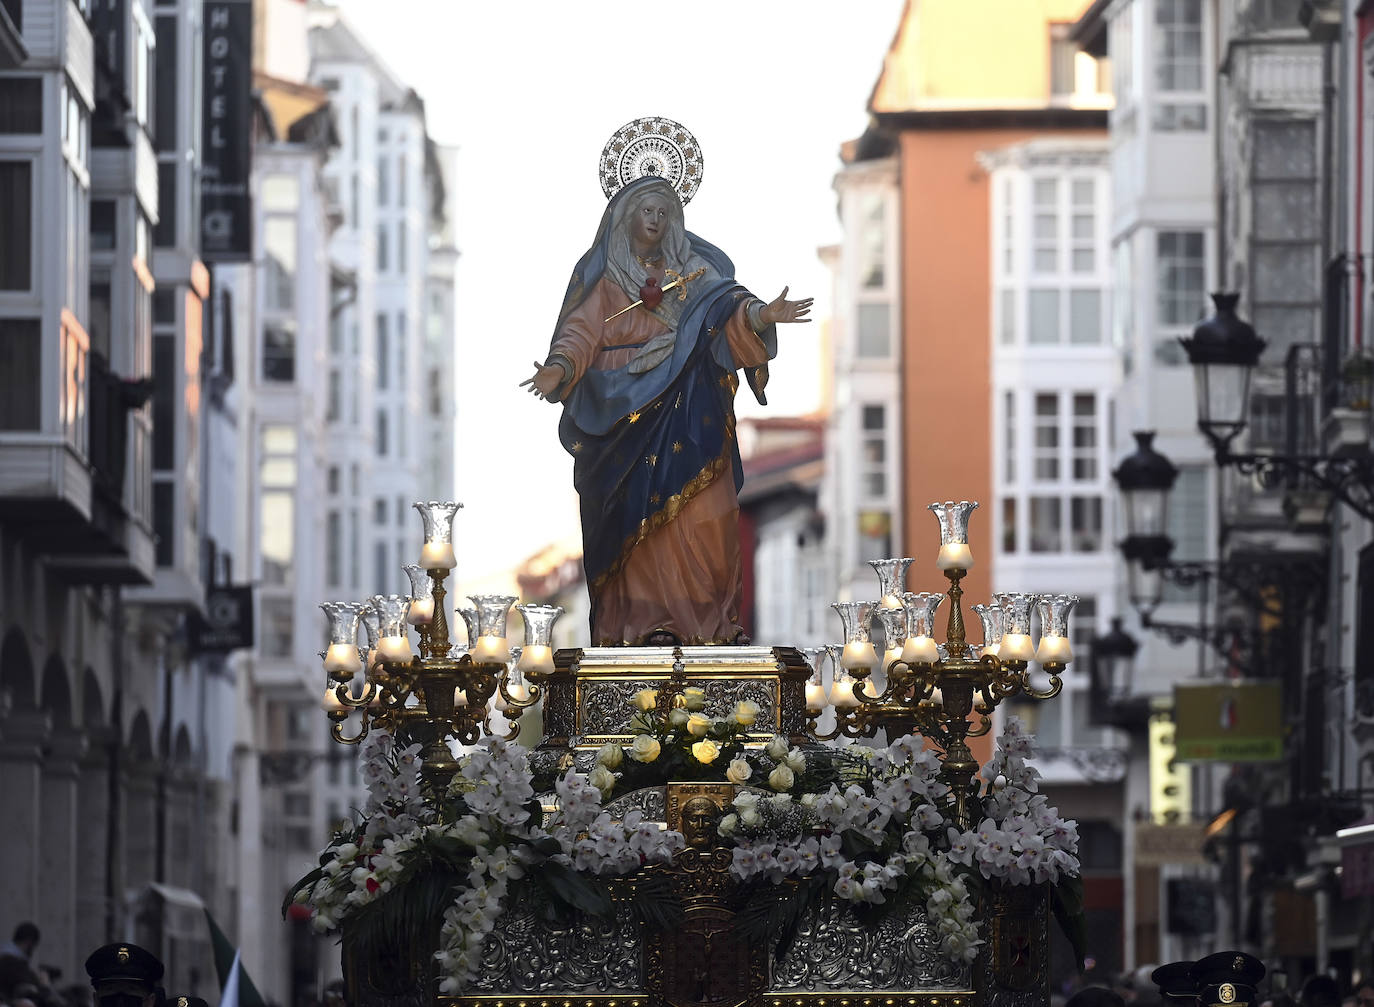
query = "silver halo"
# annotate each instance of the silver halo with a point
(652, 146)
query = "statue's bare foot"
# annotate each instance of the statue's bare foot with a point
(661, 638)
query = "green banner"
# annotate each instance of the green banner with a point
(1234, 722)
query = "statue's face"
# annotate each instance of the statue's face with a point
(650, 221)
(699, 821)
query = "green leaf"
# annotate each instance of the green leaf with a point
(576, 890)
(1066, 899)
(656, 904)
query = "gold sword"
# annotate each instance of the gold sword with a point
(679, 281)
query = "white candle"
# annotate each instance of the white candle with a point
(375, 700)
(992, 650)
(460, 698)
(372, 659)
(421, 611)
(891, 601)
(1017, 647)
(920, 650)
(955, 556)
(1054, 650)
(437, 556)
(536, 660)
(342, 657)
(518, 691)
(937, 697)
(815, 697)
(394, 649)
(331, 703)
(858, 655)
(842, 694)
(490, 650)
(890, 655)
(870, 689)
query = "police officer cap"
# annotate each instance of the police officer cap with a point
(186, 1002)
(123, 961)
(1175, 980)
(1228, 978)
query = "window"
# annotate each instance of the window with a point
(276, 636)
(1180, 285)
(1009, 437)
(1009, 524)
(164, 522)
(1062, 61)
(334, 398)
(279, 351)
(401, 511)
(1046, 450)
(1188, 524)
(872, 240)
(164, 401)
(331, 481)
(21, 359)
(401, 181)
(383, 351)
(379, 556)
(401, 349)
(98, 322)
(15, 10)
(383, 179)
(1285, 291)
(333, 549)
(1085, 437)
(279, 250)
(379, 510)
(874, 326)
(1065, 300)
(277, 493)
(21, 105)
(16, 225)
(874, 452)
(104, 236)
(1045, 225)
(1046, 525)
(1043, 318)
(1085, 523)
(1083, 624)
(1083, 225)
(165, 233)
(1180, 102)
(402, 243)
(381, 432)
(165, 121)
(383, 252)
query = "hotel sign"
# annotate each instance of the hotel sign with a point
(1232, 722)
(226, 210)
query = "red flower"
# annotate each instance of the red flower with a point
(372, 886)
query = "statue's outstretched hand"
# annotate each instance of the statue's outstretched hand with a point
(545, 381)
(780, 309)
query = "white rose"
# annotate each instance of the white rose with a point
(698, 724)
(746, 799)
(751, 817)
(348, 851)
(694, 698)
(645, 699)
(645, 748)
(795, 761)
(678, 717)
(739, 771)
(781, 778)
(602, 779)
(728, 824)
(610, 756)
(746, 712)
(777, 748)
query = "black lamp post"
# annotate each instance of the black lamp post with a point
(1111, 665)
(1224, 350)
(1145, 479)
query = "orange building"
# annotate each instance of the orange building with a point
(962, 78)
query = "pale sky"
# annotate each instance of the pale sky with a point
(529, 93)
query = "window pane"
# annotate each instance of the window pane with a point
(1085, 316)
(873, 418)
(165, 233)
(164, 402)
(1285, 149)
(279, 247)
(874, 330)
(281, 193)
(165, 114)
(1045, 525)
(1043, 322)
(1086, 521)
(383, 350)
(103, 233)
(20, 361)
(276, 538)
(1009, 524)
(1007, 319)
(1285, 211)
(21, 105)
(16, 222)
(279, 439)
(164, 522)
(873, 241)
(279, 351)
(276, 637)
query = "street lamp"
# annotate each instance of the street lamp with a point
(1113, 661)
(1224, 350)
(1145, 479)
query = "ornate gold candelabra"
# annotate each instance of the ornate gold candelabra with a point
(443, 693)
(930, 689)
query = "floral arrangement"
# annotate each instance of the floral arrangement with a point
(868, 827)
(685, 744)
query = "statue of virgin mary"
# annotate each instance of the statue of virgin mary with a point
(644, 357)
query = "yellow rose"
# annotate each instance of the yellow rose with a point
(739, 771)
(706, 752)
(645, 699)
(746, 712)
(698, 724)
(644, 748)
(694, 698)
(610, 756)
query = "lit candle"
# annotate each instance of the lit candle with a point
(460, 698)
(937, 697)
(1054, 650)
(536, 660)
(920, 650)
(842, 694)
(421, 611)
(955, 556)
(342, 657)
(437, 556)
(892, 601)
(815, 697)
(992, 650)
(890, 655)
(858, 654)
(331, 703)
(518, 691)
(1016, 647)
(394, 649)
(490, 650)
